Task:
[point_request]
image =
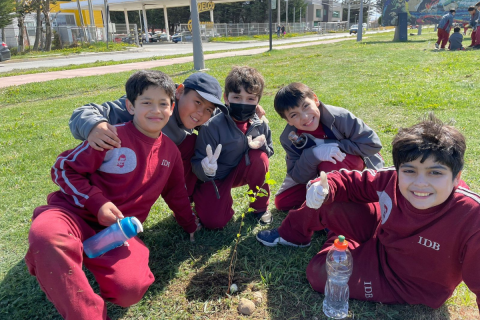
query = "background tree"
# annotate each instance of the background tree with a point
(7, 7)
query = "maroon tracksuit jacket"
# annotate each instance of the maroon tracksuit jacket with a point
(401, 254)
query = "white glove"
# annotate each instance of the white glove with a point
(317, 192)
(329, 152)
(209, 163)
(257, 142)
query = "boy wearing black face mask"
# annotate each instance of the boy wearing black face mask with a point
(232, 150)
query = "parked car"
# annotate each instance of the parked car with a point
(4, 52)
(317, 29)
(182, 37)
(165, 37)
(354, 28)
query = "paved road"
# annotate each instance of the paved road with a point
(151, 50)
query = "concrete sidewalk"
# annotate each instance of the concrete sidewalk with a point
(85, 72)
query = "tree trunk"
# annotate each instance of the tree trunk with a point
(3, 35)
(38, 30)
(48, 26)
(21, 22)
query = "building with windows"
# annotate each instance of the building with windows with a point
(323, 11)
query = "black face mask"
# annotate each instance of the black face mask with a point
(241, 111)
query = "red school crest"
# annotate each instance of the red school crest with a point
(121, 161)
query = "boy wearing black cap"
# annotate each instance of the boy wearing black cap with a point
(444, 27)
(195, 102)
(232, 150)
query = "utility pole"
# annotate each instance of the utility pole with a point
(360, 22)
(198, 60)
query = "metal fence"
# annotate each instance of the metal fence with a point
(252, 29)
(66, 36)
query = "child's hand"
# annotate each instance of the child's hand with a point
(104, 136)
(317, 192)
(209, 163)
(260, 111)
(329, 152)
(108, 214)
(257, 142)
(199, 227)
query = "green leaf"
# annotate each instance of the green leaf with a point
(261, 195)
(249, 210)
(258, 188)
(250, 192)
(242, 224)
(243, 215)
(238, 235)
(263, 190)
(270, 181)
(267, 175)
(251, 199)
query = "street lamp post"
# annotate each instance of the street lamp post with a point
(286, 13)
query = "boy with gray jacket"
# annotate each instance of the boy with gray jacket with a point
(232, 150)
(336, 139)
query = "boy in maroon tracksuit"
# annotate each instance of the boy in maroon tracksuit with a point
(97, 188)
(414, 231)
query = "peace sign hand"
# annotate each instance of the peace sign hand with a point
(209, 163)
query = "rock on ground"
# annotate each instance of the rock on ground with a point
(246, 306)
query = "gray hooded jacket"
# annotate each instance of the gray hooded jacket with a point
(352, 135)
(221, 129)
(85, 118)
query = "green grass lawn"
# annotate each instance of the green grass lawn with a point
(389, 85)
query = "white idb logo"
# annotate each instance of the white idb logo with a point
(429, 243)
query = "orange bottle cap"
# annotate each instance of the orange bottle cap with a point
(340, 243)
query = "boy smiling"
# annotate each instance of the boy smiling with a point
(414, 230)
(96, 189)
(337, 139)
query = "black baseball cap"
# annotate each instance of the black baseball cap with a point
(206, 86)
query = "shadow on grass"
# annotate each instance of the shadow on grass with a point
(396, 42)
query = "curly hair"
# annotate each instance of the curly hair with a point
(247, 78)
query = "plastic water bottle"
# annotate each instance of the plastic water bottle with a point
(112, 237)
(339, 269)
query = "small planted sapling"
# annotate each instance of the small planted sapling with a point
(251, 196)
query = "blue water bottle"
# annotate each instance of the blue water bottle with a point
(112, 237)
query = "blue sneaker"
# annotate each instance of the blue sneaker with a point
(271, 238)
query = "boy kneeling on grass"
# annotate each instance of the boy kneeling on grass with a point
(337, 139)
(413, 229)
(97, 187)
(232, 150)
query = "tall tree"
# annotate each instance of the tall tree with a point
(48, 24)
(7, 8)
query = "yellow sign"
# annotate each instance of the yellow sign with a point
(202, 7)
(189, 25)
(205, 6)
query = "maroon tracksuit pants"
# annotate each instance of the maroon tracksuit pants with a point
(55, 257)
(442, 37)
(215, 213)
(294, 197)
(359, 224)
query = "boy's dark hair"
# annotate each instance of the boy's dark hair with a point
(247, 78)
(477, 4)
(143, 79)
(471, 8)
(431, 137)
(290, 97)
(456, 29)
(452, 10)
